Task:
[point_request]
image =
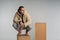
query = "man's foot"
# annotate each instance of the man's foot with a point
(19, 34)
(27, 34)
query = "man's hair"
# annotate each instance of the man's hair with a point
(20, 8)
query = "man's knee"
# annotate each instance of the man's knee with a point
(28, 28)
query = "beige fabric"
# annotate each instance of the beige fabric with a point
(26, 18)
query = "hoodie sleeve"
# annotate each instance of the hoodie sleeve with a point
(16, 18)
(28, 20)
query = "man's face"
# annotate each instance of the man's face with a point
(22, 10)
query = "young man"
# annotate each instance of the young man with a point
(22, 20)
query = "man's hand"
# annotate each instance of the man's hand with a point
(22, 24)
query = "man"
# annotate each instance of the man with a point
(22, 20)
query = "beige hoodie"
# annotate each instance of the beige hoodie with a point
(26, 18)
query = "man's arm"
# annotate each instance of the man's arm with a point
(16, 18)
(28, 20)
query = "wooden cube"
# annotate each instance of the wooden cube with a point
(23, 37)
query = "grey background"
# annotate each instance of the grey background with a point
(43, 11)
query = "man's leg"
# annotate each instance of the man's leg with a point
(20, 29)
(27, 30)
